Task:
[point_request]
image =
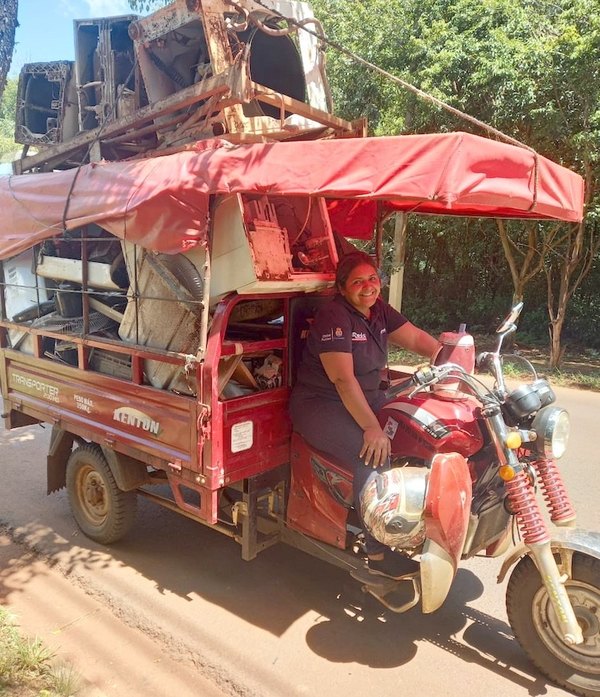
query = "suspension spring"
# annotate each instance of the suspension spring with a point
(555, 492)
(525, 506)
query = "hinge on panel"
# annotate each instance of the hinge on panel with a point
(203, 424)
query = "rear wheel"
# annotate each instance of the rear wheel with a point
(102, 511)
(534, 622)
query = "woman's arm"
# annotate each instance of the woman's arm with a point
(414, 339)
(339, 368)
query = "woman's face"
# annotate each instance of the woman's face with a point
(362, 288)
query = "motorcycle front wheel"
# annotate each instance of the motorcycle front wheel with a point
(533, 620)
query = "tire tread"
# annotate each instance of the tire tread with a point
(123, 503)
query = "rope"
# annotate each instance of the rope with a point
(376, 69)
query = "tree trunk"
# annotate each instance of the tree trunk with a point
(557, 350)
(557, 311)
(578, 249)
(8, 25)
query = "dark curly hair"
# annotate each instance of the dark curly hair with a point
(348, 263)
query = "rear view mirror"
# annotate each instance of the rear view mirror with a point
(510, 319)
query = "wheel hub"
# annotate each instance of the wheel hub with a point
(93, 495)
(588, 621)
(586, 603)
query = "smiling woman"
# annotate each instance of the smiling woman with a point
(339, 387)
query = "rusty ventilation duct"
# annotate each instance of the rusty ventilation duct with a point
(276, 64)
(46, 103)
(104, 63)
(188, 71)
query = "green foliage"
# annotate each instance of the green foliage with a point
(8, 106)
(25, 665)
(143, 6)
(20, 659)
(527, 67)
(449, 261)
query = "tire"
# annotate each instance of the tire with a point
(576, 668)
(101, 510)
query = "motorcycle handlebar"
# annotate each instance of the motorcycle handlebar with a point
(432, 375)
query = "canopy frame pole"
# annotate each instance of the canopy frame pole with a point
(379, 235)
(398, 259)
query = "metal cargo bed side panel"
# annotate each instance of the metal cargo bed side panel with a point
(256, 431)
(152, 424)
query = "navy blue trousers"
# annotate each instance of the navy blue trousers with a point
(328, 426)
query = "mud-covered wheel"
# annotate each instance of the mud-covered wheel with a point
(102, 511)
(577, 668)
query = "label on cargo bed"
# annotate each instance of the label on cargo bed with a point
(137, 419)
(83, 403)
(242, 436)
(35, 386)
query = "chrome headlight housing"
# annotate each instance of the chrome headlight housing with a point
(552, 426)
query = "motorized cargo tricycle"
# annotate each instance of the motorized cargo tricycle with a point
(161, 342)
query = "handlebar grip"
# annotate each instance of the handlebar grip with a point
(395, 390)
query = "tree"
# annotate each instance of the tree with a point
(8, 25)
(524, 258)
(146, 5)
(8, 107)
(527, 67)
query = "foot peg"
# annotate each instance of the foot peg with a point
(383, 588)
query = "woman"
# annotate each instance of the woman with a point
(337, 393)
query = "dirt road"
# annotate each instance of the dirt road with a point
(110, 657)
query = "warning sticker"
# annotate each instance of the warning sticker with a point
(242, 436)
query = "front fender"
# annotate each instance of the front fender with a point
(573, 539)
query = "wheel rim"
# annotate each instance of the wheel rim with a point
(93, 495)
(585, 599)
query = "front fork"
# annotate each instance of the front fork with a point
(533, 528)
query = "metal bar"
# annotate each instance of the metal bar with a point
(2, 294)
(249, 527)
(320, 550)
(268, 96)
(555, 586)
(172, 506)
(112, 344)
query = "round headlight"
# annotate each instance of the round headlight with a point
(552, 426)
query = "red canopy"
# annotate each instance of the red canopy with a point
(162, 203)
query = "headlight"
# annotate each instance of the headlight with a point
(552, 426)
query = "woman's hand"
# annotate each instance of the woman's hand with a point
(340, 370)
(376, 447)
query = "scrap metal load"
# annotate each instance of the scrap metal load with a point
(103, 294)
(192, 70)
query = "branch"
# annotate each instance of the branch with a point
(508, 253)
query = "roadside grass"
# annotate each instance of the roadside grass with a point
(582, 374)
(27, 667)
(590, 380)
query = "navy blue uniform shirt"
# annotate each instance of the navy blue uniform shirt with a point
(340, 327)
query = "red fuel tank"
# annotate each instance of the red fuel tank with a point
(428, 424)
